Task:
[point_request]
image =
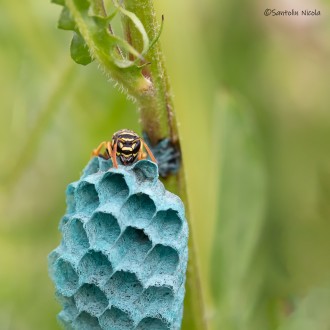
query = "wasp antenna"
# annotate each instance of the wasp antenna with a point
(109, 150)
(149, 152)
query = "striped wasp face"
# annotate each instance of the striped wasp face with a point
(128, 145)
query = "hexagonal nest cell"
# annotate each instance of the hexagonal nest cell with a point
(138, 210)
(94, 268)
(122, 260)
(122, 289)
(102, 230)
(113, 188)
(114, 318)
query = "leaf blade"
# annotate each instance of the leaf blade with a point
(65, 21)
(236, 276)
(79, 50)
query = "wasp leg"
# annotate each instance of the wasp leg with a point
(96, 151)
(113, 153)
(109, 150)
(149, 152)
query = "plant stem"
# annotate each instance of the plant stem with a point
(159, 122)
(156, 104)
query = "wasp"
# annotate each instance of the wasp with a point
(125, 144)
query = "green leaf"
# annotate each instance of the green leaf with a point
(109, 42)
(139, 26)
(79, 50)
(65, 21)
(237, 277)
(82, 5)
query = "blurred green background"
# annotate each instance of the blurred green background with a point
(252, 100)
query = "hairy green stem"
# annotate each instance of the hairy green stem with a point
(98, 7)
(156, 104)
(158, 121)
(129, 79)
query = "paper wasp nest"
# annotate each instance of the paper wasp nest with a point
(123, 256)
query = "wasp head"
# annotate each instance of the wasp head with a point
(128, 146)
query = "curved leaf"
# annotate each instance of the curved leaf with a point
(139, 26)
(79, 50)
(65, 21)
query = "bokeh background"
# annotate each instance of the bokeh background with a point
(252, 100)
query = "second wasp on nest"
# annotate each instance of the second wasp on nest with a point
(125, 144)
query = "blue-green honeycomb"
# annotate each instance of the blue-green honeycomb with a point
(123, 256)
